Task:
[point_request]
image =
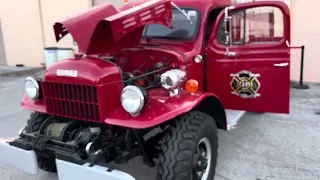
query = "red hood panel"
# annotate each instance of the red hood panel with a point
(103, 29)
(90, 71)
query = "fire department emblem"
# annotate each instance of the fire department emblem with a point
(245, 84)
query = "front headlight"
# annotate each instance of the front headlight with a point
(133, 99)
(31, 87)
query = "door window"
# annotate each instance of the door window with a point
(258, 25)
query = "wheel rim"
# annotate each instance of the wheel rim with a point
(202, 160)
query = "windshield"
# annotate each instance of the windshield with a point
(182, 27)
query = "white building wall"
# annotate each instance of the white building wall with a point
(305, 30)
(22, 35)
(51, 14)
(116, 3)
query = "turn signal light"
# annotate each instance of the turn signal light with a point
(192, 86)
(125, 1)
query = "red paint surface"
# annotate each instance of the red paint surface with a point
(91, 71)
(258, 58)
(160, 108)
(31, 105)
(107, 77)
(103, 75)
(108, 31)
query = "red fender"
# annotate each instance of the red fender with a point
(31, 105)
(160, 108)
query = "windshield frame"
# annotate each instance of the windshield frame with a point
(194, 36)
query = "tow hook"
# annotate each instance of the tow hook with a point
(94, 156)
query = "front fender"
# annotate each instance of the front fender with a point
(31, 105)
(160, 108)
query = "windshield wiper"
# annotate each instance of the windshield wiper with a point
(182, 11)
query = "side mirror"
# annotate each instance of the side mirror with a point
(228, 30)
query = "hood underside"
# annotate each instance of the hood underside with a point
(103, 29)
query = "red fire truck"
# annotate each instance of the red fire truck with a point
(154, 78)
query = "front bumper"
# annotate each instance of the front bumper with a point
(18, 158)
(27, 162)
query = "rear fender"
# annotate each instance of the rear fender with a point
(161, 108)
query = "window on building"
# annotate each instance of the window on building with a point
(255, 25)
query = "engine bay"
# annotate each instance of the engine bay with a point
(146, 78)
(141, 69)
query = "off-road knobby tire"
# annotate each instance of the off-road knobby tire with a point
(45, 162)
(35, 121)
(180, 143)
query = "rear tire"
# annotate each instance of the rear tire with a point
(45, 161)
(190, 148)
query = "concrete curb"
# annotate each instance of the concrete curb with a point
(292, 83)
(21, 72)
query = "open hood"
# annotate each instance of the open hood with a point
(103, 29)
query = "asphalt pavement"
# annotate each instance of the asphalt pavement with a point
(263, 147)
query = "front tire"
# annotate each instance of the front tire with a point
(190, 149)
(46, 162)
(35, 121)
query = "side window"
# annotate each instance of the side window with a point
(259, 25)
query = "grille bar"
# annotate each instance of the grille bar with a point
(71, 100)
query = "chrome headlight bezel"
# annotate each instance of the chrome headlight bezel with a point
(140, 95)
(36, 87)
(172, 79)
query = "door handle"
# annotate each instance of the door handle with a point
(281, 64)
(231, 54)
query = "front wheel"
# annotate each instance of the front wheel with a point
(190, 149)
(46, 162)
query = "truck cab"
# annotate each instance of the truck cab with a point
(241, 49)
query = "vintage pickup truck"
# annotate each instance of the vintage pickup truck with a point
(153, 78)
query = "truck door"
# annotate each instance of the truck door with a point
(248, 58)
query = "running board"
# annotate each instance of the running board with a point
(233, 116)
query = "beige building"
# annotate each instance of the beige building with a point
(26, 30)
